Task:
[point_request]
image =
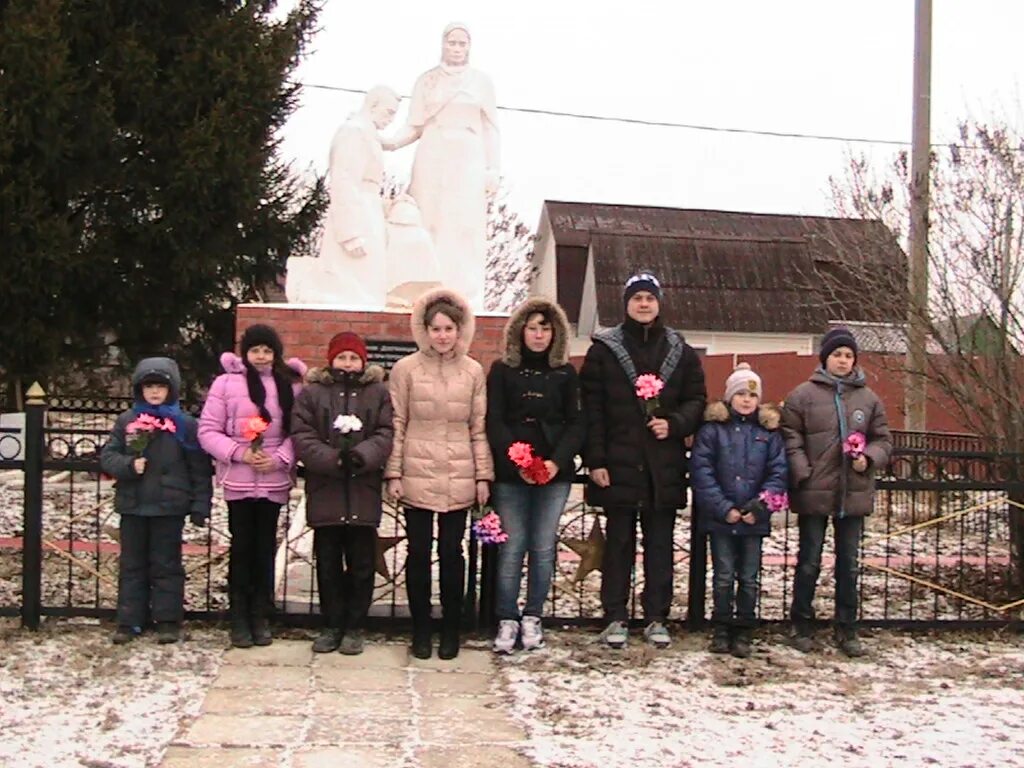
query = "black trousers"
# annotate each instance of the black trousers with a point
(847, 532)
(345, 559)
(658, 526)
(253, 526)
(451, 529)
(151, 580)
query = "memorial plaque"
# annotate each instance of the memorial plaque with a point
(387, 352)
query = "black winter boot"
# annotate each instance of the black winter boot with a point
(803, 636)
(720, 639)
(241, 630)
(168, 632)
(261, 634)
(422, 644)
(741, 642)
(448, 648)
(353, 643)
(849, 643)
(328, 641)
(259, 611)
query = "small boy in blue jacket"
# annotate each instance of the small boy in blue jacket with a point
(738, 475)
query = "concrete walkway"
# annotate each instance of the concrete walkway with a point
(285, 707)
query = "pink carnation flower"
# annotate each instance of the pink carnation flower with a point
(648, 386)
(855, 444)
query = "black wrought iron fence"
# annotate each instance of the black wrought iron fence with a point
(937, 552)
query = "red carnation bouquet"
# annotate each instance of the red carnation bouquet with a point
(141, 431)
(529, 463)
(253, 430)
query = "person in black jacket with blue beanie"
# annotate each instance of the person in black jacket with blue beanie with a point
(162, 476)
(739, 473)
(635, 449)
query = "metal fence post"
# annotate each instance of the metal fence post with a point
(696, 593)
(32, 542)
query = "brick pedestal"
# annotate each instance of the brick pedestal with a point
(305, 331)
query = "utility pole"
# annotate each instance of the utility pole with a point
(920, 160)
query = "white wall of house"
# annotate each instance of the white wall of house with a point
(717, 343)
(545, 279)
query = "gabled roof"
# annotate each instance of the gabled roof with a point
(730, 271)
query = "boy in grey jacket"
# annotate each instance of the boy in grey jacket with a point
(161, 476)
(837, 438)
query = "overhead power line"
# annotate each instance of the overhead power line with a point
(684, 126)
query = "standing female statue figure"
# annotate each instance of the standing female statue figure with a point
(453, 115)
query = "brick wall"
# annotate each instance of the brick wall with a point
(781, 372)
(305, 332)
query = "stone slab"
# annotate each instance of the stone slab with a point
(470, 732)
(358, 729)
(440, 684)
(237, 730)
(360, 679)
(189, 757)
(485, 707)
(367, 705)
(274, 678)
(257, 701)
(375, 655)
(281, 653)
(468, 660)
(480, 757)
(350, 755)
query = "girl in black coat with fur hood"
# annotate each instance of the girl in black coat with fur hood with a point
(532, 399)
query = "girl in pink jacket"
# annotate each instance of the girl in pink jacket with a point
(254, 468)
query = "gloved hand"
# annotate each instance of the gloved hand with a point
(757, 508)
(198, 519)
(356, 461)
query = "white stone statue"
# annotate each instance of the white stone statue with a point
(453, 116)
(353, 253)
(412, 259)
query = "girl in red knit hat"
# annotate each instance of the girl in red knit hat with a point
(342, 431)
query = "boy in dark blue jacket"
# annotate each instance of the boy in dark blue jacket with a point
(738, 471)
(162, 477)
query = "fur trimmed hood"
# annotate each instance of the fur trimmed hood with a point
(419, 310)
(768, 415)
(232, 363)
(322, 375)
(512, 340)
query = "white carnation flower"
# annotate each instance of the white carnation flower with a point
(348, 423)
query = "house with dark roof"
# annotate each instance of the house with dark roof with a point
(733, 282)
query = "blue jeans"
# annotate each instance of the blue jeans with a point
(735, 558)
(848, 531)
(529, 515)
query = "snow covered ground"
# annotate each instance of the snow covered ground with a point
(946, 701)
(69, 698)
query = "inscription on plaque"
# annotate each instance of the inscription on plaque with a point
(387, 352)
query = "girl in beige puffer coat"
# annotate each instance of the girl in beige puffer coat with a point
(441, 462)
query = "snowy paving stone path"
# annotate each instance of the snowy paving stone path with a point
(284, 706)
(71, 699)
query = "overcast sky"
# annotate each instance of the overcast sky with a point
(814, 66)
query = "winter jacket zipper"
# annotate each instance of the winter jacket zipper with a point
(347, 470)
(841, 415)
